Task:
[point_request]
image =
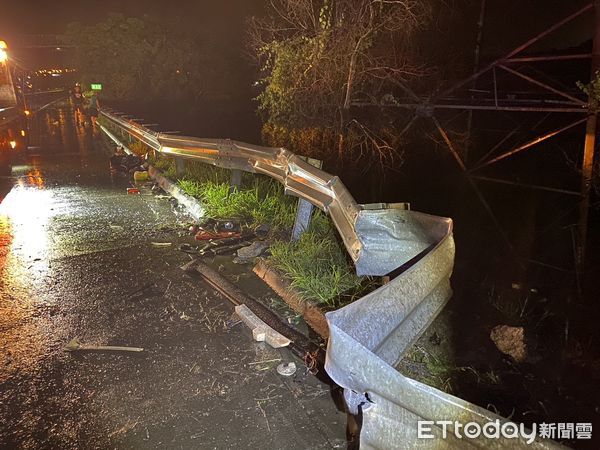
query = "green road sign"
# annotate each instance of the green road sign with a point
(96, 87)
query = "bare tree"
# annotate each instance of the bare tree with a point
(320, 57)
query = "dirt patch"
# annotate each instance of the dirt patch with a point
(510, 341)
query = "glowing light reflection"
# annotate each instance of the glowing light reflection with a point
(28, 210)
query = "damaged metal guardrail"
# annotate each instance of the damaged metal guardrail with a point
(379, 238)
(369, 336)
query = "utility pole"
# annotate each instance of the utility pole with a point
(589, 150)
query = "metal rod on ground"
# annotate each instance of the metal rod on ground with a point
(301, 345)
(304, 209)
(588, 152)
(75, 345)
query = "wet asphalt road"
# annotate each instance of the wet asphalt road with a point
(76, 260)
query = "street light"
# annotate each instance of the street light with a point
(3, 54)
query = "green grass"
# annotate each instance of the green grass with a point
(316, 264)
(197, 171)
(165, 165)
(433, 370)
(263, 203)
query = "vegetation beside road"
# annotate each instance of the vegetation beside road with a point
(317, 264)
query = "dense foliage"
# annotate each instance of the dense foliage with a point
(142, 58)
(321, 58)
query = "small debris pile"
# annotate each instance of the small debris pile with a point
(221, 237)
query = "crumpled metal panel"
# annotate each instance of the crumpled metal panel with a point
(391, 237)
(369, 337)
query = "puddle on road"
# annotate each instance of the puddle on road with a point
(24, 217)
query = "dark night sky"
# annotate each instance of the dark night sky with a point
(44, 16)
(225, 18)
(508, 22)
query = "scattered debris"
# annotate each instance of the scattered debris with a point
(75, 345)
(286, 369)
(265, 361)
(435, 339)
(205, 235)
(187, 248)
(149, 290)
(140, 176)
(133, 191)
(260, 330)
(510, 341)
(233, 321)
(222, 249)
(220, 225)
(132, 163)
(189, 265)
(161, 244)
(116, 227)
(253, 250)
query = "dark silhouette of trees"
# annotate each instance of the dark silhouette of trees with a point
(319, 58)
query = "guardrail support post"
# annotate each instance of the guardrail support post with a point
(236, 180)
(304, 210)
(180, 167)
